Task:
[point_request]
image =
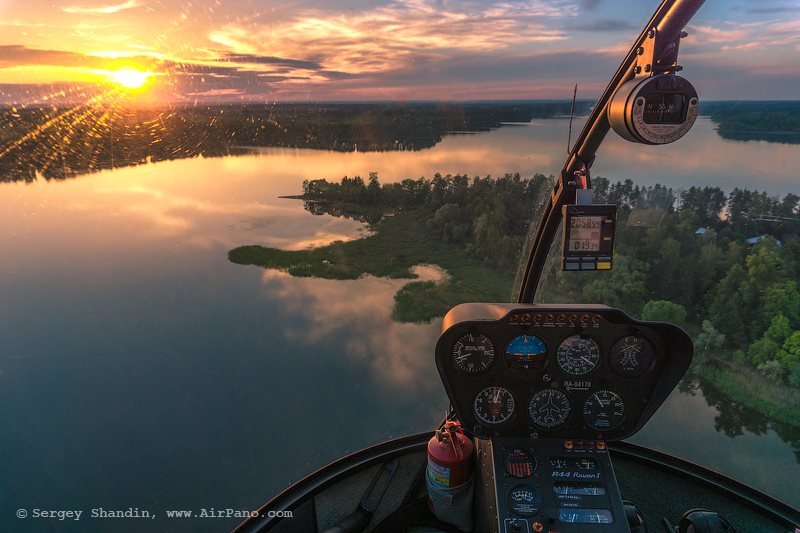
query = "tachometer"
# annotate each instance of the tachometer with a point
(494, 405)
(524, 351)
(603, 410)
(473, 354)
(578, 355)
(549, 408)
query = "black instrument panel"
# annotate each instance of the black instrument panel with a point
(557, 371)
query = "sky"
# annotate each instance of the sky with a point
(311, 50)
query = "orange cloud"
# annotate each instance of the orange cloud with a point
(714, 34)
(393, 37)
(100, 10)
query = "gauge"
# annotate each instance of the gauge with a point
(473, 354)
(631, 356)
(578, 355)
(523, 500)
(603, 410)
(549, 408)
(524, 351)
(494, 405)
(654, 109)
(519, 463)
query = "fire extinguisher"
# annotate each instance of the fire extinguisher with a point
(449, 475)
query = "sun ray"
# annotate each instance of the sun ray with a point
(129, 77)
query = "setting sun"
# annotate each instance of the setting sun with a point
(130, 78)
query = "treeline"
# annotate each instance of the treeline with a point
(724, 265)
(58, 142)
(774, 121)
(489, 216)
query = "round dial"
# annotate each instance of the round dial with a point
(631, 356)
(549, 408)
(523, 500)
(524, 351)
(578, 355)
(519, 463)
(473, 353)
(494, 405)
(603, 410)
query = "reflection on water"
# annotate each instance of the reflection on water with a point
(139, 368)
(700, 424)
(360, 311)
(700, 158)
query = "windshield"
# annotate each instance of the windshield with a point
(230, 231)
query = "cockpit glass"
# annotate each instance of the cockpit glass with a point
(230, 231)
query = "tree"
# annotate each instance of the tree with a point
(789, 357)
(727, 309)
(709, 338)
(706, 203)
(766, 348)
(625, 287)
(665, 311)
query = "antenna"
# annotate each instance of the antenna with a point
(571, 114)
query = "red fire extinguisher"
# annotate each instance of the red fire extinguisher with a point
(449, 475)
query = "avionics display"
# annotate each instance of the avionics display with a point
(584, 234)
(588, 241)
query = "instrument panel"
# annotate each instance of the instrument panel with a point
(557, 371)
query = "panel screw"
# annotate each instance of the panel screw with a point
(639, 51)
(638, 69)
(651, 34)
(647, 68)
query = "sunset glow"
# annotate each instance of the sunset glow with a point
(221, 50)
(130, 78)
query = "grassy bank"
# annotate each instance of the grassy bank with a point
(749, 387)
(398, 243)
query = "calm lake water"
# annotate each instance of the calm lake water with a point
(141, 369)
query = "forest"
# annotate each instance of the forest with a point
(724, 266)
(60, 142)
(773, 121)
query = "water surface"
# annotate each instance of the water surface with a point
(141, 369)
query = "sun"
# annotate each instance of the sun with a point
(130, 78)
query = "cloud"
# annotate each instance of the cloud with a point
(718, 34)
(589, 5)
(773, 9)
(272, 60)
(100, 10)
(19, 55)
(604, 25)
(397, 35)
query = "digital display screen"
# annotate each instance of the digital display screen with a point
(663, 108)
(565, 489)
(584, 233)
(573, 463)
(585, 516)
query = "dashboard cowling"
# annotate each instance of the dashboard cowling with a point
(612, 382)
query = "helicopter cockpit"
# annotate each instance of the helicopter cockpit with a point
(544, 387)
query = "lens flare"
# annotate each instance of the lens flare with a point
(130, 78)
